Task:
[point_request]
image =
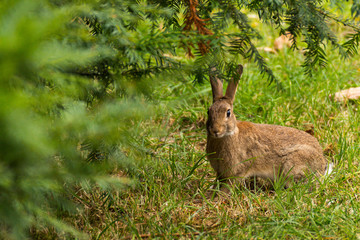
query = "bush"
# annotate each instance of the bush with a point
(62, 120)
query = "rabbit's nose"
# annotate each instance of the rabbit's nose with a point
(215, 133)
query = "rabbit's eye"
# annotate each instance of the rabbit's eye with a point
(228, 113)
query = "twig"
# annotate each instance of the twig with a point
(192, 18)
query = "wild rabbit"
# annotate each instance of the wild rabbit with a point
(238, 150)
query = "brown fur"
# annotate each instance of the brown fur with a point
(243, 149)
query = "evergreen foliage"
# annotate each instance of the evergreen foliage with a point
(77, 76)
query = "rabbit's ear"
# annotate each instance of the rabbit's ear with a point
(231, 88)
(216, 85)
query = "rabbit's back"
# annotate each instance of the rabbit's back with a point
(284, 140)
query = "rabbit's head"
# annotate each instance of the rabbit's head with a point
(221, 119)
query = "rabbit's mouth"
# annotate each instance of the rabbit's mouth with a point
(217, 134)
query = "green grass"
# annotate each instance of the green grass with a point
(172, 181)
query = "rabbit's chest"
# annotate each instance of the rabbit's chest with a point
(225, 158)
